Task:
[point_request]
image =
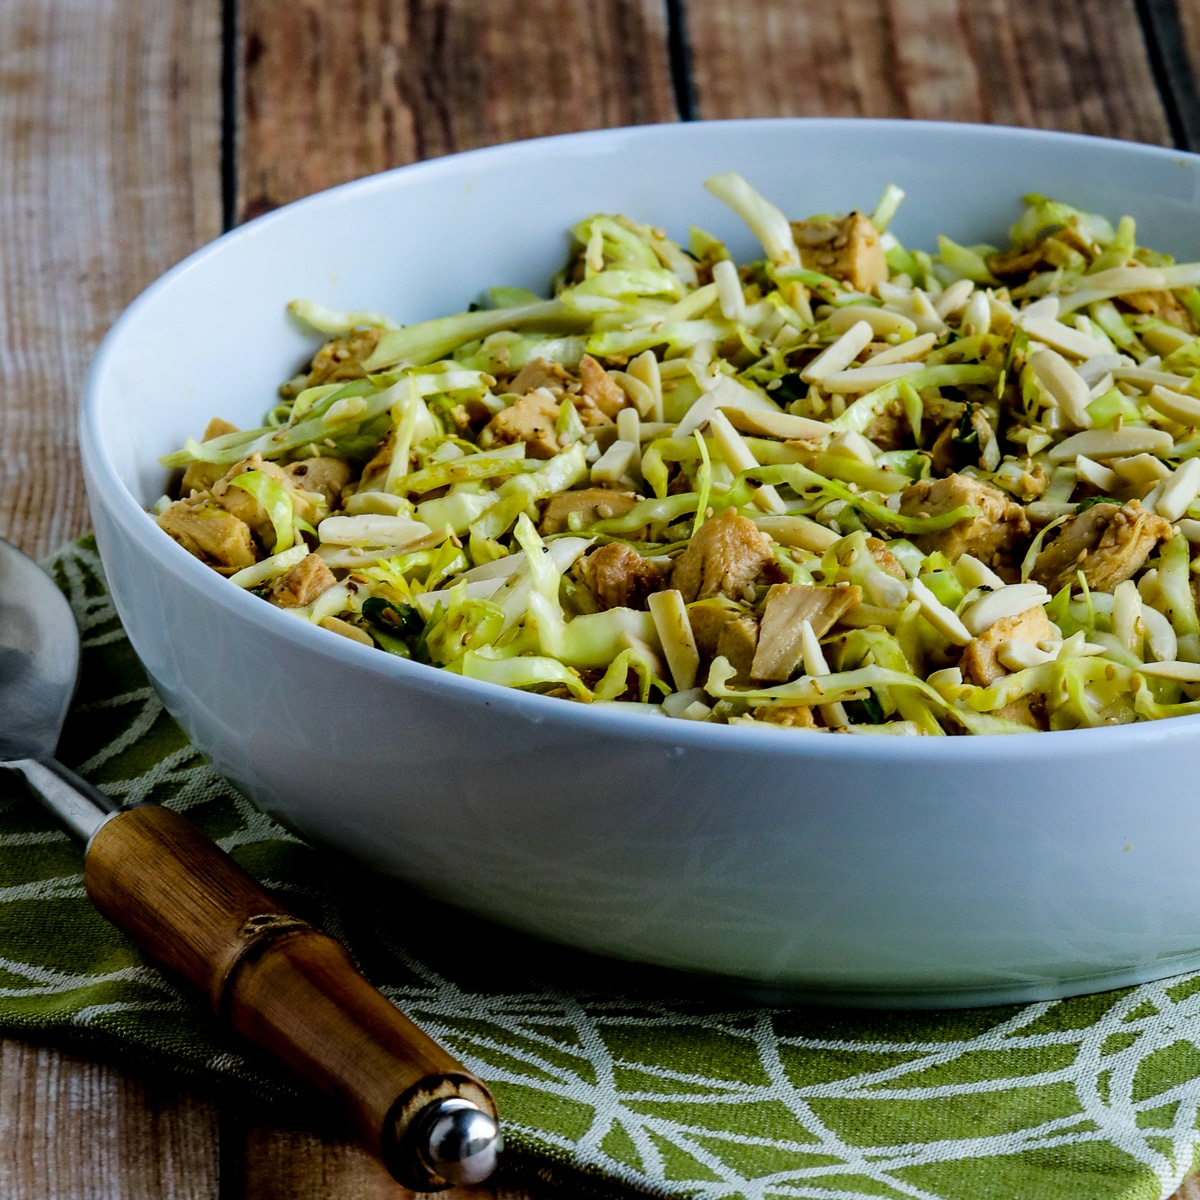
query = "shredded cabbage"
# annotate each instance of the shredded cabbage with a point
(844, 543)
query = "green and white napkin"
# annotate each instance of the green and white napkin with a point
(609, 1077)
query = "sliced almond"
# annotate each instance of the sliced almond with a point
(1063, 337)
(1112, 443)
(840, 354)
(910, 351)
(1174, 405)
(882, 321)
(674, 631)
(776, 424)
(1009, 601)
(867, 378)
(943, 619)
(1065, 385)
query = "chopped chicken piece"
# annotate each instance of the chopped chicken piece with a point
(1054, 250)
(848, 249)
(1025, 710)
(607, 396)
(246, 508)
(541, 374)
(1017, 262)
(788, 606)
(346, 630)
(1163, 305)
(991, 537)
(708, 618)
(885, 558)
(200, 476)
(218, 427)
(380, 463)
(737, 642)
(890, 430)
(725, 557)
(593, 504)
(329, 476)
(620, 577)
(1107, 543)
(342, 358)
(979, 662)
(792, 716)
(530, 420)
(206, 530)
(941, 452)
(302, 584)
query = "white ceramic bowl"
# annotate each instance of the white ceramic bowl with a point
(875, 870)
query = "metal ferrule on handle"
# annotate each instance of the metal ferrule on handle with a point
(294, 991)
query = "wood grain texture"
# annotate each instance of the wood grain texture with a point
(109, 119)
(335, 89)
(293, 1164)
(1079, 65)
(78, 1129)
(1176, 24)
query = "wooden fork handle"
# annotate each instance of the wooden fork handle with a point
(285, 985)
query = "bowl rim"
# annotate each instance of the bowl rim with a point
(107, 489)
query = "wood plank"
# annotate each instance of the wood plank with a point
(290, 1163)
(110, 120)
(335, 89)
(331, 90)
(1078, 65)
(109, 115)
(69, 1127)
(1175, 28)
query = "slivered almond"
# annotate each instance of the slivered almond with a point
(776, 424)
(1183, 672)
(674, 631)
(816, 666)
(739, 457)
(910, 351)
(1017, 655)
(1009, 601)
(953, 298)
(1095, 473)
(370, 529)
(1141, 470)
(883, 322)
(1062, 337)
(1179, 491)
(943, 619)
(1160, 637)
(1112, 443)
(867, 378)
(1064, 384)
(1174, 405)
(840, 354)
(801, 532)
(1140, 375)
(972, 573)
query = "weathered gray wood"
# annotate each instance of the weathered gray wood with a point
(84, 1130)
(335, 89)
(109, 120)
(1078, 65)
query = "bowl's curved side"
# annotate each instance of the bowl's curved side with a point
(972, 868)
(916, 880)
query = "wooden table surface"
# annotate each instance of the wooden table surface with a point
(133, 131)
